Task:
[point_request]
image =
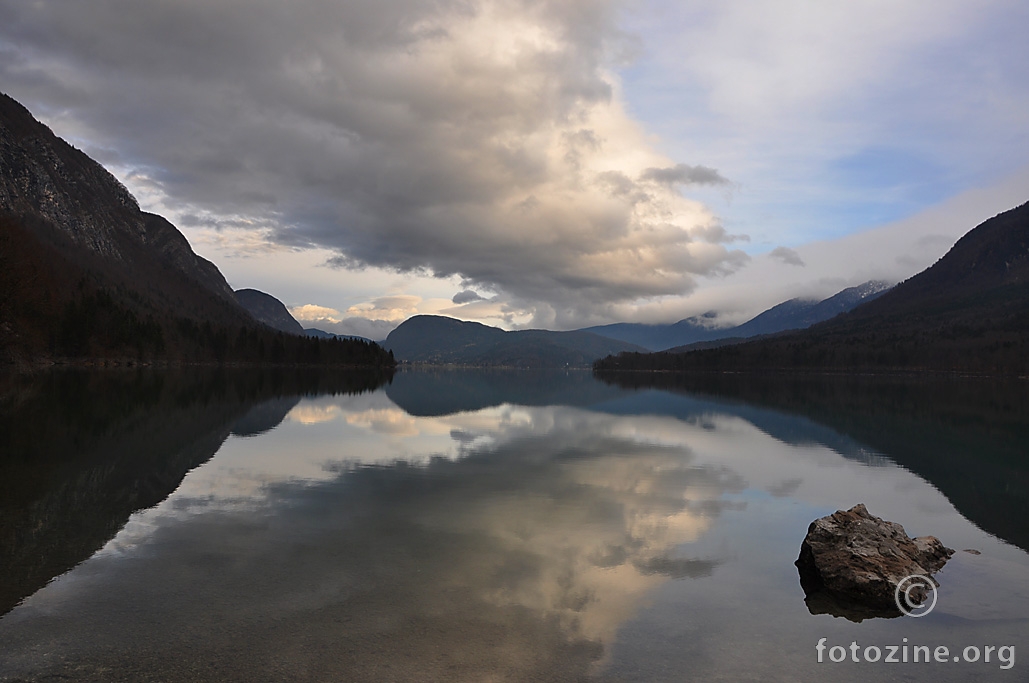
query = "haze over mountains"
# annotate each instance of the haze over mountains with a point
(790, 315)
(440, 340)
(969, 312)
(85, 274)
(448, 341)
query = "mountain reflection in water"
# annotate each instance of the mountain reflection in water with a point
(468, 526)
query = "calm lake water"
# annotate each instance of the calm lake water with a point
(492, 526)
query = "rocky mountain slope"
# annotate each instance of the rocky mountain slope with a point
(86, 275)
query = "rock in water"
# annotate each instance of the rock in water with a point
(851, 563)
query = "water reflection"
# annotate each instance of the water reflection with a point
(516, 549)
(80, 451)
(968, 437)
(606, 532)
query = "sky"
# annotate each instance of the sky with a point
(542, 163)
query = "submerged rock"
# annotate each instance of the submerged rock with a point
(851, 563)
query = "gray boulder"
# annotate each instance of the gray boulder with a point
(851, 563)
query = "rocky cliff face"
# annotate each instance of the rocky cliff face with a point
(87, 277)
(45, 178)
(41, 174)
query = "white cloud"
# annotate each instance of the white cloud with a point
(498, 311)
(394, 307)
(834, 117)
(892, 252)
(315, 313)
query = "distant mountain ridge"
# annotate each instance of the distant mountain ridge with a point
(789, 315)
(440, 340)
(968, 312)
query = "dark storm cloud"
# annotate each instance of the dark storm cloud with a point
(787, 256)
(462, 137)
(467, 296)
(684, 174)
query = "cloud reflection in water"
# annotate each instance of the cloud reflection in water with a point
(500, 543)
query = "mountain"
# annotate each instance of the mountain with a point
(441, 340)
(658, 337)
(968, 312)
(984, 278)
(267, 309)
(794, 314)
(86, 276)
(797, 314)
(74, 206)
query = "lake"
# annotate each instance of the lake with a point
(494, 525)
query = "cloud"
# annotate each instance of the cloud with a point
(331, 320)
(376, 330)
(470, 138)
(911, 245)
(499, 312)
(682, 174)
(839, 117)
(394, 307)
(466, 296)
(313, 312)
(234, 237)
(308, 414)
(373, 319)
(787, 256)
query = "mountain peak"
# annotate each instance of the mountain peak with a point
(268, 310)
